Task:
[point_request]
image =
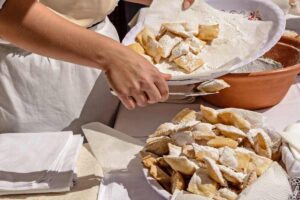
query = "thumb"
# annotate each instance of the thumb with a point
(167, 77)
(187, 4)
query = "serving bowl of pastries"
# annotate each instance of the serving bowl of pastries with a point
(215, 154)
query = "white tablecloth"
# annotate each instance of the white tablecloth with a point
(143, 121)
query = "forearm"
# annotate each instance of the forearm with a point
(144, 2)
(32, 26)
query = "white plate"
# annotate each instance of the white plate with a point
(268, 11)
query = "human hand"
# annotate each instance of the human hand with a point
(135, 80)
(187, 4)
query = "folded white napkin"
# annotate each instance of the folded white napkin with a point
(118, 155)
(37, 162)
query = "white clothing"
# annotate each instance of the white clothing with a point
(43, 94)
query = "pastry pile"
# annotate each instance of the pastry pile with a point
(175, 43)
(216, 154)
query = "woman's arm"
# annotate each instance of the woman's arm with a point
(32, 26)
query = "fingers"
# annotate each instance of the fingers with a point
(187, 4)
(167, 77)
(127, 101)
(163, 89)
(140, 99)
(153, 94)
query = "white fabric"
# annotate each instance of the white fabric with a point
(292, 165)
(43, 94)
(34, 163)
(82, 12)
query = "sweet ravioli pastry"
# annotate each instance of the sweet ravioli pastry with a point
(136, 47)
(226, 194)
(177, 182)
(208, 32)
(183, 138)
(209, 114)
(167, 43)
(181, 49)
(219, 142)
(234, 119)
(202, 184)
(179, 29)
(203, 131)
(195, 44)
(161, 176)
(174, 150)
(213, 86)
(231, 176)
(181, 164)
(189, 62)
(230, 131)
(214, 171)
(263, 144)
(142, 36)
(205, 151)
(184, 115)
(159, 145)
(153, 48)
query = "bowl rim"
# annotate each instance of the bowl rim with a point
(295, 67)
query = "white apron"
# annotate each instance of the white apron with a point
(43, 94)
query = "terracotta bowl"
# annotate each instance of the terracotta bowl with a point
(261, 89)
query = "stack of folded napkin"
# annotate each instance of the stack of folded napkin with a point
(38, 162)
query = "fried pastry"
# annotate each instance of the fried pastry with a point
(188, 151)
(208, 32)
(227, 194)
(181, 164)
(195, 45)
(202, 184)
(153, 49)
(249, 179)
(183, 138)
(230, 131)
(179, 29)
(164, 129)
(168, 41)
(209, 114)
(142, 36)
(203, 131)
(234, 119)
(181, 49)
(259, 164)
(230, 175)
(177, 182)
(148, 159)
(213, 86)
(214, 172)
(263, 144)
(160, 161)
(159, 146)
(189, 62)
(243, 161)
(205, 151)
(184, 115)
(174, 150)
(228, 157)
(137, 47)
(162, 177)
(219, 142)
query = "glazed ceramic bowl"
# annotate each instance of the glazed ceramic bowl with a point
(259, 90)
